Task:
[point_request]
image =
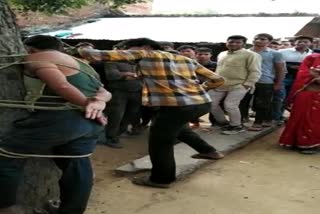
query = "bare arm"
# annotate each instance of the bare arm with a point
(103, 95)
(208, 73)
(214, 79)
(118, 55)
(280, 74)
(56, 81)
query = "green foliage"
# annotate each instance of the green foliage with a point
(60, 6)
(48, 6)
(119, 3)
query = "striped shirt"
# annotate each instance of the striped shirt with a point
(169, 79)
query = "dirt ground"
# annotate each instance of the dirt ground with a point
(259, 179)
(37, 19)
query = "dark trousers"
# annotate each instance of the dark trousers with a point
(211, 119)
(245, 106)
(278, 103)
(146, 114)
(75, 184)
(169, 124)
(122, 110)
(262, 102)
(51, 133)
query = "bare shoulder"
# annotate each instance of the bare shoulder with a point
(41, 60)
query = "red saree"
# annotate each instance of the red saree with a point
(302, 128)
(303, 75)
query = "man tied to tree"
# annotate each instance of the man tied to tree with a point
(69, 135)
(170, 83)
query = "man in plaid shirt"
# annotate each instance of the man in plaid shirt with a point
(171, 85)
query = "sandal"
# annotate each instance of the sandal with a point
(309, 151)
(145, 181)
(255, 128)
(211, 156)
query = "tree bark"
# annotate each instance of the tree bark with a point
(41, 175)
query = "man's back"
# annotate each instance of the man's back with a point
(171, 79)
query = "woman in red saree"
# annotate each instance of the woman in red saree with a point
(303, 75)
(302, 129)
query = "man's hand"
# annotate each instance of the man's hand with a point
(213, 84)
(277, 86)
(129, 75)
(246, 87)
(103, 120)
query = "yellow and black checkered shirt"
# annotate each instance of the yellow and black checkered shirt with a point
(169, 79)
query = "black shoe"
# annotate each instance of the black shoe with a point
(113, 143)
(145, 181)
(232, 130)
(226, 127)
(310, 151)
(211, 156)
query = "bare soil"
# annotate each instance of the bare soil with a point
(260, 179)
(30, 20)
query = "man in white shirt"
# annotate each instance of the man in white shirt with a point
(293, 58)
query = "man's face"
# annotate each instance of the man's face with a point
(303, 43)
(260, 41)
(188, 52)
(275, 46)
(286, 44)
(235, 44)
(203, 56)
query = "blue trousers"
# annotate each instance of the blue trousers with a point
(278, 103)
(51, 133)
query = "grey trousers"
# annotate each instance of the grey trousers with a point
(122, 110)
(231, 103)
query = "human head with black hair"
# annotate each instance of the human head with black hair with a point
(203, 50)
(203, 55)
(42, 42)
(236, 42)
(262, 40)
(142, 44)
(187, 51)
(303, 37)
(264, 35)
(275, 45)
(303, 42)
(238, 37)
(286, 44)
(167, 46)
(119, 46)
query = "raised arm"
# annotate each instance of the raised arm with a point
(93, 55)
(214, 79)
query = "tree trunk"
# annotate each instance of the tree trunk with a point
(41, 175)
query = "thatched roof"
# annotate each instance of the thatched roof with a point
(311, 29)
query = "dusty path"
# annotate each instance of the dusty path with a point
(260, 179)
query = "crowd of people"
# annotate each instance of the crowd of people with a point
(143, 84)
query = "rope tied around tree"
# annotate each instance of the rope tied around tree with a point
(33, 105)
